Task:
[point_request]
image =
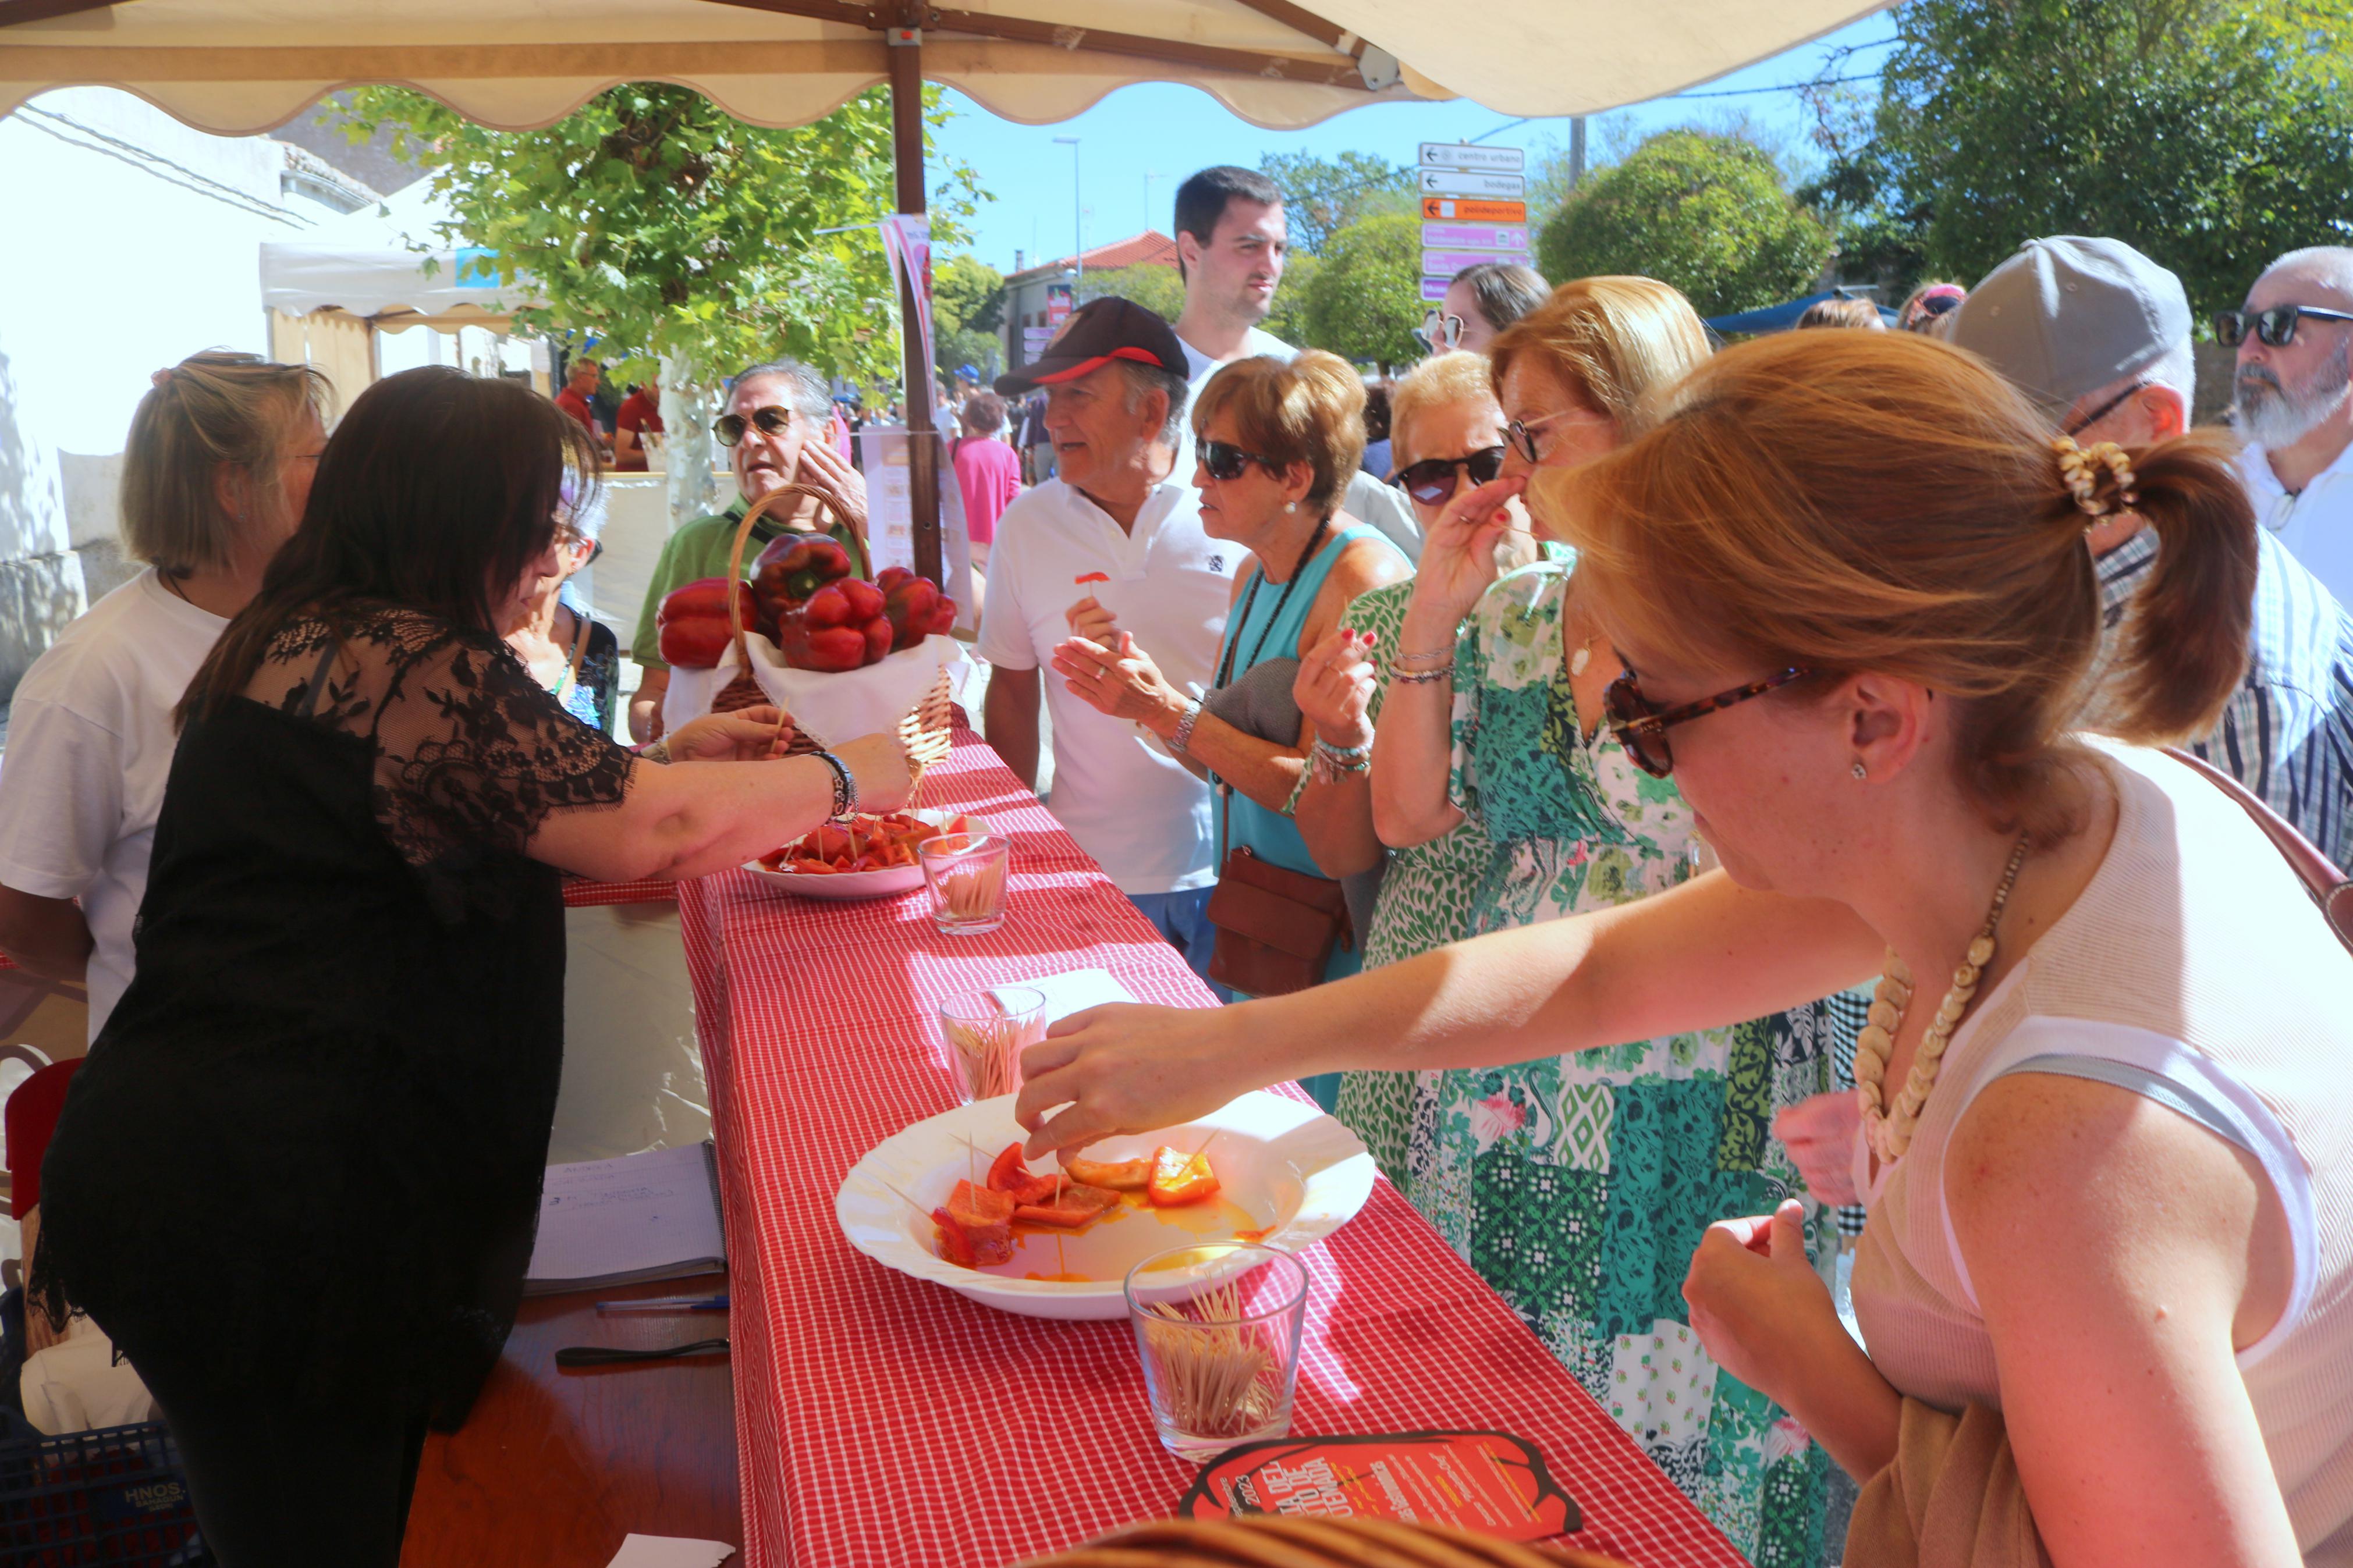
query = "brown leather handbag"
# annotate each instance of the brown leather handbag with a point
(2329, 885)
(1276, 927)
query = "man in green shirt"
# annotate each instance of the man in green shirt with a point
(773, 429)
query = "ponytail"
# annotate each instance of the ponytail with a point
(2191, 620)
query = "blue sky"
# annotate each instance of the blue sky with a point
(1155, 130)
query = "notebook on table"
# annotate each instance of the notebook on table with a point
(616, 1222)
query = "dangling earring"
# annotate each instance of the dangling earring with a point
(1861, 772)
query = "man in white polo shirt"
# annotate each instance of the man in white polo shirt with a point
(1118, 527)
(2293, 402)
(1231, 238)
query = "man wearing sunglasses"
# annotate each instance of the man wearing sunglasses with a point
(773, 429)
(2293, 402)
(1231, 241)
(2098, 335)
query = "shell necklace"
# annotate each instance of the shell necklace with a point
(1888, 1127)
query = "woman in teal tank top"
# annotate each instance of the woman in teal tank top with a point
(1276, 443)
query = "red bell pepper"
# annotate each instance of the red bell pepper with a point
(1178, 1179)
(840, 628)
(693, 623)
(1072, 1208)
(1119, 1175)
(1006, 1173)
(802, 563)
(975, 1226)
(954, 1245)
(916, 607)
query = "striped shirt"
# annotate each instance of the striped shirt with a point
(2287, 732)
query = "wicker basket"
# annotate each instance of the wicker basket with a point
(1274, 1541)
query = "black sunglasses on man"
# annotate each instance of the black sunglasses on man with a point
(2276, 327)
(772, 420)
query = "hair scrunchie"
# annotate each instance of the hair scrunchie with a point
(2082, 470)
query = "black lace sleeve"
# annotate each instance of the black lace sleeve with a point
(471, 753)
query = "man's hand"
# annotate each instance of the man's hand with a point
(1121, 681)
(844, 488)
(1088, 618)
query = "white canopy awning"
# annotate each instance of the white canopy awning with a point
(365, 263)
(236, 67)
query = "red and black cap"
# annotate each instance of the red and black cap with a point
(1098, 333)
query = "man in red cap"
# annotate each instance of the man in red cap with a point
(1113, 538)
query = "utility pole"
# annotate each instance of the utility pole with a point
(1575, 152)
(1078, 219)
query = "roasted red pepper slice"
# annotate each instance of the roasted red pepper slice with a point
(954, 1245)
(1119, 1175)
(1178, 1178)
(1006, 1173)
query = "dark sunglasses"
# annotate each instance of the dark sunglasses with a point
(2077, 428)
(2276, 327)
(1642, 729)
(1438, 331)
(772, 420)
(1226, 461)
(1433, 481)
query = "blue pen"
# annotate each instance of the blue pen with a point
(667, 1304)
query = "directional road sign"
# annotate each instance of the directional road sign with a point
(1451, 209)
(1474, 237)
(1453, 183)
(1446, 263)
(1461, 156)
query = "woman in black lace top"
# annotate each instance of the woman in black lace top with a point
(298, 1177)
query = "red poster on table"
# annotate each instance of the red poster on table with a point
(1490, 1482)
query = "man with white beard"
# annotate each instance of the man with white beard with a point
(2293, 402)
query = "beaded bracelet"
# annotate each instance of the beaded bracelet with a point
(1326, 762)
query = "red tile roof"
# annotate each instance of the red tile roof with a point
(1150, 248)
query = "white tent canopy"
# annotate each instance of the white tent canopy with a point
(236, 67)
(365, 263)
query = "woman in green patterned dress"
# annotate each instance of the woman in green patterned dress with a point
(1578, 1186)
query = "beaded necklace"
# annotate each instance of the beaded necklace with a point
(1888, 1128)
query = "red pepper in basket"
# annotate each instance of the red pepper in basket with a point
(840, 628)
(916, 607)
(799, 565)
(692, 621)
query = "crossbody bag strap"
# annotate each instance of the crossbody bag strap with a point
(2328, 884)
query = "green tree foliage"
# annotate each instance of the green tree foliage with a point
(1321, 196)
(2211, 135)
(1152, 287)
(1288, 318)
(1707, 211)
(968, 315)
(1364, 299)
(654, 220)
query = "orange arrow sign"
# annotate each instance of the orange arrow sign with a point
(1465, 209)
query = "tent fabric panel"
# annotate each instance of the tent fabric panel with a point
(298, 277)
(236, 66)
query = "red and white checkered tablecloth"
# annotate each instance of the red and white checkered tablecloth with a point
(880, 1420)
(585, 892)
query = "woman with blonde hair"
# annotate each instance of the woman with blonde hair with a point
(2107, 1286)
(214, 473)
(1494, 719)
(1277, 443)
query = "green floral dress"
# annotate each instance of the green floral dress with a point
(1578, 1186)
(1424, 902)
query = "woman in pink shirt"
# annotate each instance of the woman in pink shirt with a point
(987, 471)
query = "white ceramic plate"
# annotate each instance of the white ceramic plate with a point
(1295, 1174)
(847, 887)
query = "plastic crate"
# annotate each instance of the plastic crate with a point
(112, 1497)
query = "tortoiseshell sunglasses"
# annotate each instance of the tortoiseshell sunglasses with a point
(1642, 729)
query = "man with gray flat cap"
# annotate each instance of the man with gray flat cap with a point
(2098, 336)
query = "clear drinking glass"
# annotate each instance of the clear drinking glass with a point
(982, 1035)
(1219, 1368)
(966, 873)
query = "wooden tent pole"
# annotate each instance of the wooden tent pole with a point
(906, 55)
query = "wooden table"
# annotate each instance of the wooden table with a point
(552, 1468)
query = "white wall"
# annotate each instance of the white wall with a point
(127, 242)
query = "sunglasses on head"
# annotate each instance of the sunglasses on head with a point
(1433, 481)
(1226, 461)
(1641, 727)
(772, 420)
(2276, 327)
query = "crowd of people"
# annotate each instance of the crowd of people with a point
(1568, 760)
